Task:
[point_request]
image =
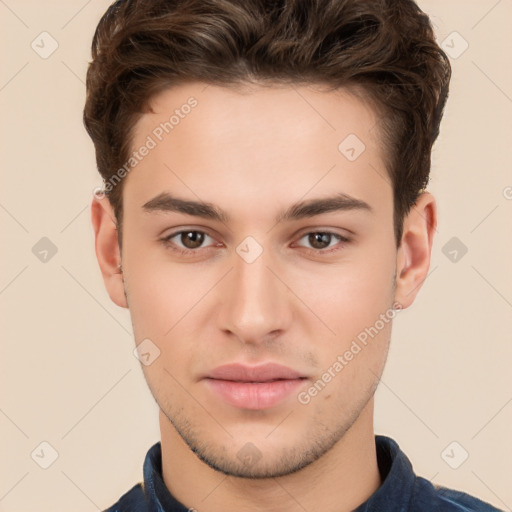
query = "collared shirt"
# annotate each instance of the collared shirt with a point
(401, 490)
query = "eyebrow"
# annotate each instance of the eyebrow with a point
(164, 202)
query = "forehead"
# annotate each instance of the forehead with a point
(257, 140)
(274, 109)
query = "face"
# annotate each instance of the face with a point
(259, 259)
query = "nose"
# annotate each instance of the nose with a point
(255, 304)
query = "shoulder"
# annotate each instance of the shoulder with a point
(427, 497)
(132, 501)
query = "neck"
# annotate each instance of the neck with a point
(342, 479)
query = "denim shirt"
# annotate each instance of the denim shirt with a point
(401, 490)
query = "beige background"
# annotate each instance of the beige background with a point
(68, 375)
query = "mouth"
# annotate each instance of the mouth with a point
(254, 387)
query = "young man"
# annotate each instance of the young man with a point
(264, 218)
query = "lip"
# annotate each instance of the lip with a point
(254, 387)
(260, 373)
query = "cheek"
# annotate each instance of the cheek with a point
(162, 300)
(151, 304)
(167, 304)
(355, 301)
(351, 296)
(159, 295)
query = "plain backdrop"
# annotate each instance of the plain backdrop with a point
(68, 374)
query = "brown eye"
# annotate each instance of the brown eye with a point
(323, 242)
(188, 241)
(319, 240)
(192, 239)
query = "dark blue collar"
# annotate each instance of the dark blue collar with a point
(401, 490)
(395, 469)
(397, 478)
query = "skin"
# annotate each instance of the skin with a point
(253, 153)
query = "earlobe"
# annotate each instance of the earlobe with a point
(107, 248)
(413, 256)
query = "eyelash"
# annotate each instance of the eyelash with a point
(188, 252)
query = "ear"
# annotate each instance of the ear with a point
(413, 255)
(107, 248)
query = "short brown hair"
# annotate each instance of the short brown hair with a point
(385, 48)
